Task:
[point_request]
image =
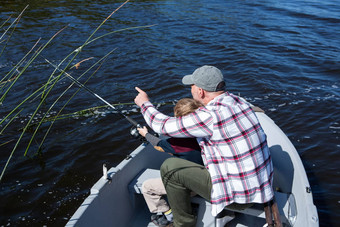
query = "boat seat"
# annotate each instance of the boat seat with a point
(285, 202)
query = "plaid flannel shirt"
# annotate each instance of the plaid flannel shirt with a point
(234, 148)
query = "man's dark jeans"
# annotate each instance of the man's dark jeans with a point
(180, 177)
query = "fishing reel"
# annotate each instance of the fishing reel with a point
(135, 134)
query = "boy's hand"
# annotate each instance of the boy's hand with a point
(142, 131)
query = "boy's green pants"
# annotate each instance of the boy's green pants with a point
(180, 177)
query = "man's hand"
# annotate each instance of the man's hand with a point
(141, 98)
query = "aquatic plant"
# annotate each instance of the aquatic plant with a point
(59, 73)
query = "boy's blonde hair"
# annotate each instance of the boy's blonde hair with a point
(186, 106)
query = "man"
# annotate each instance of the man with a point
(237, 163)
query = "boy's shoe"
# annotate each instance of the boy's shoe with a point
(155, 216)
(160, 220)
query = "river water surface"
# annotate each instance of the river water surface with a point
(281, 55)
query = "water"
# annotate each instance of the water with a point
(281, 55)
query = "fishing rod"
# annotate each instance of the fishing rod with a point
(133, 131)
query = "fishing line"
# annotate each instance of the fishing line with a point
(134, 132)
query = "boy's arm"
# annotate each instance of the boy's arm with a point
(152, 139)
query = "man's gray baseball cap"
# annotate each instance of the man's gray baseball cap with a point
(207, 77)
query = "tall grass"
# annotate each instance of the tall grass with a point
(59, 73)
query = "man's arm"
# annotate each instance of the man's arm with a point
(197, 124)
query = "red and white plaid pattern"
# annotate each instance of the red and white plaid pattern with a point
(234, 148)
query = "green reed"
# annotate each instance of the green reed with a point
(43, 92)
